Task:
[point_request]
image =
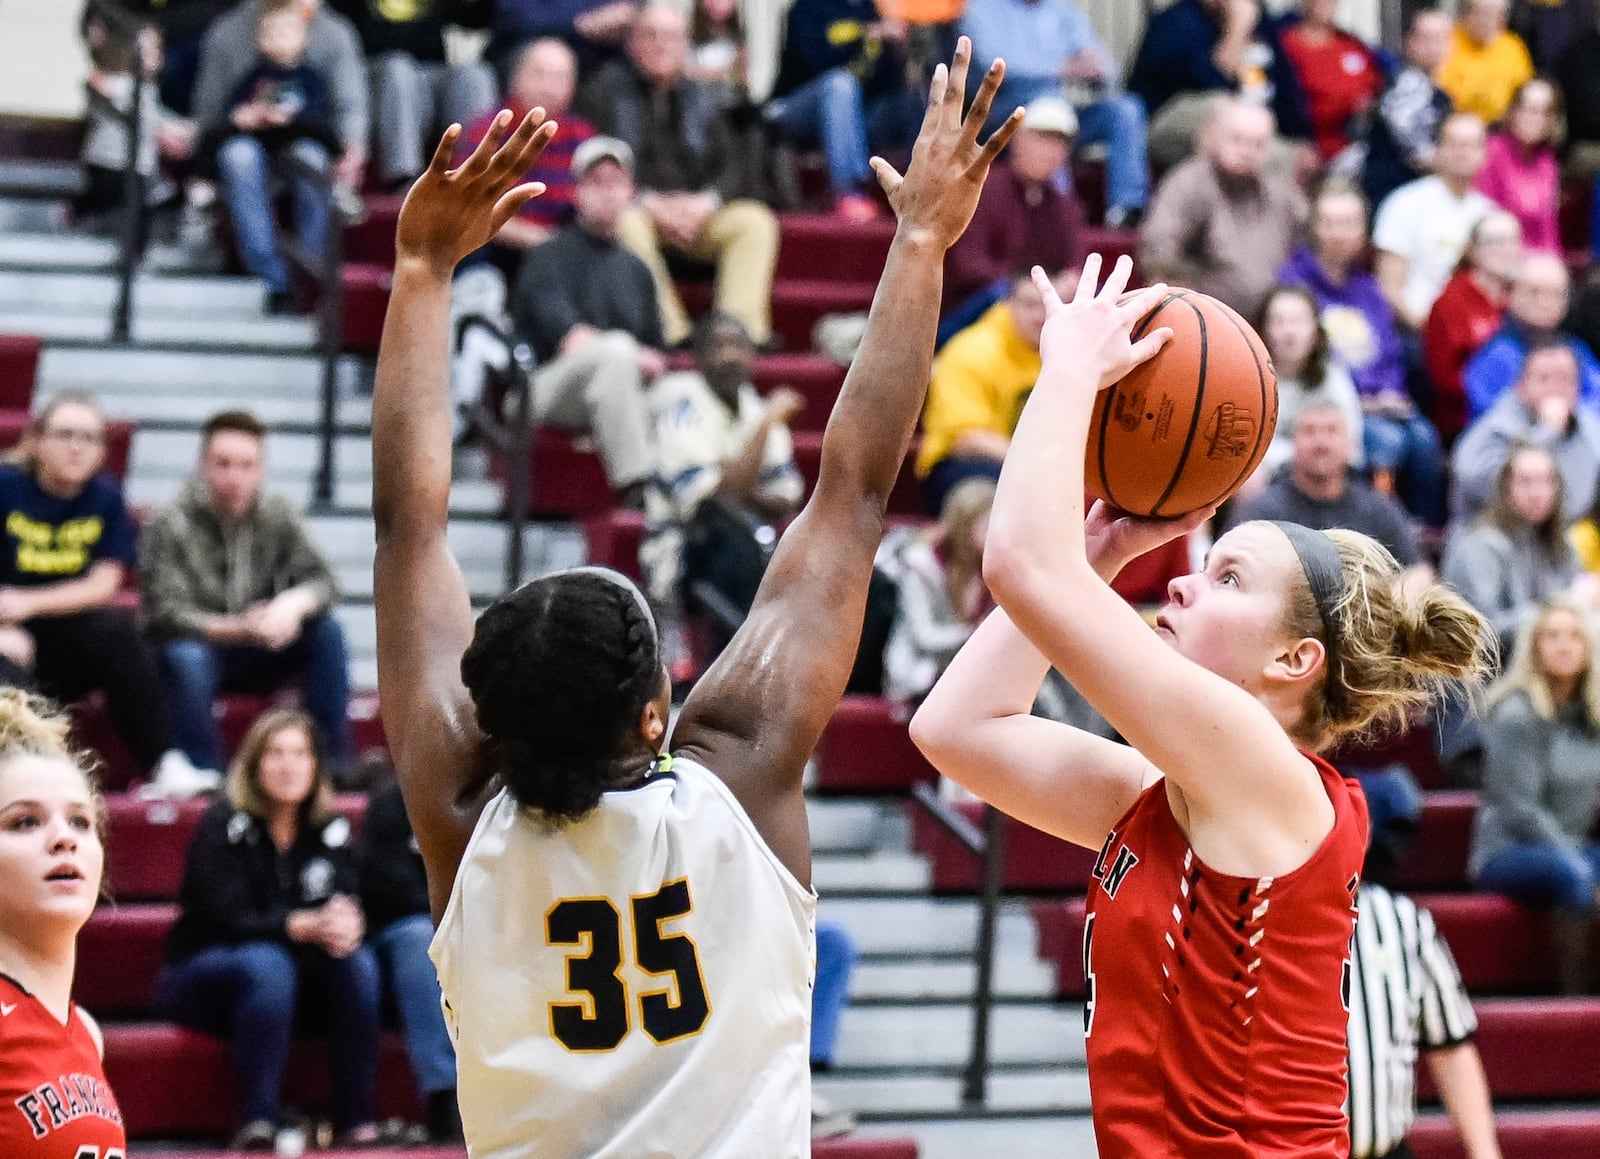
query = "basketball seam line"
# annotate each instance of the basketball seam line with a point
(1105, 416)
(1195, 412)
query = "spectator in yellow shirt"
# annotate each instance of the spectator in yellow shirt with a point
(1487, 62)
(980, 381)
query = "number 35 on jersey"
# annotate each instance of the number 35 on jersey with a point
(642, 933)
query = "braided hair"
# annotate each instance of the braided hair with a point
(559, 672)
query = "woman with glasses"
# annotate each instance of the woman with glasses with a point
(66, 541)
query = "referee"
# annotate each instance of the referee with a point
(1406, 994)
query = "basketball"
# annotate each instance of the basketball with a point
(1185, 429)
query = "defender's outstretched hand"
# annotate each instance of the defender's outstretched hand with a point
(451, 212)
(940, 188)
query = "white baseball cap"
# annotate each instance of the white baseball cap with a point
(1050, 115)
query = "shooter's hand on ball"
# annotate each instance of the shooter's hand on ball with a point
(1093, 332)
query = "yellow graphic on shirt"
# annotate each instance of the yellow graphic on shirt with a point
(399, 11)
(49, 549)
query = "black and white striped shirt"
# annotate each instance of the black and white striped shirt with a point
(1405, 993)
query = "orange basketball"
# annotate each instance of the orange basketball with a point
(1186, 429)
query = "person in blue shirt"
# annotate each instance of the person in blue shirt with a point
(842, 81)
(66, 542)
(1051, 49)
(1534, 310)
(1196, 49)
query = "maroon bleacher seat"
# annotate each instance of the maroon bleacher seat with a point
(866, 749)
(120, 952)
(1501, 947)
(366, 301)
(812, 375)
(172, 1082)
(1035, 861)
(568, 479)
(1553, 1133)
(371, 240)
(613, 538)
(796, 305)
(19, 370)
(146, 842)
(1536, 1048)
(825, 247)
(1437, 857)
(1415, 748)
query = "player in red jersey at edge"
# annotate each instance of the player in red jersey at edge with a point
(1222, 905)
(55, 1102)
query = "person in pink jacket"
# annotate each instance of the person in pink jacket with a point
(1520, 172)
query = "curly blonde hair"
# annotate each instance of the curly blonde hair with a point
(32, 726)
(1397, 651)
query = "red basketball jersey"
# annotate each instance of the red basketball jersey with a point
(54, 1099)
(1218, 1004)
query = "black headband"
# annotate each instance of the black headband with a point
(1319, 559)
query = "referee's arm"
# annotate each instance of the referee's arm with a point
(1448, 1024)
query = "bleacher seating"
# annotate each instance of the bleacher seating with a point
(119, 439)
(19, 370)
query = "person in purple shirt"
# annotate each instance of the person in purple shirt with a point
(1402, 447)
(1022, 219)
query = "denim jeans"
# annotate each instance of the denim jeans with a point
(1116, 120)
(198, 670)
(836, 958)
(832, 109)
(250, 993)
(244, 170)
(408, 973)
(1545, 875)
(1409, 447)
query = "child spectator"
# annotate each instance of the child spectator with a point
(68, 544)
(1466, 315)
(1533, 835)
(1340, 74)
(270, 924)
(1520, 173)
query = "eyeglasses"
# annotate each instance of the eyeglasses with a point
(80, 438)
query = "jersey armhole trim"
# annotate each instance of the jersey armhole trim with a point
(743, 819)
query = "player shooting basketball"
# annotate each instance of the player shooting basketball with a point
(1220, 912)
(625, 936)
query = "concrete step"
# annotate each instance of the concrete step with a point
(1036, 1092)
(57, 251)
(230, 377)
(1018, 977)
(929, 1037)
(1031, 1137)
(195, 298)
(158, 453)
(884, 927)
(841, 826)
(29, 214)
(886, 872)
(161, 329)
(149, 408)
(468, 498)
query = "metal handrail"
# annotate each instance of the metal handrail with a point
(128, 28)
(325, 270)
(989, 845)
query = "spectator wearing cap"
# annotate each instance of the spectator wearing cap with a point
(1023, 218)
(587, 307)
(680, 132)
(1220, 222)
(1487, 61)
(546, 75)
(842, 81)
(1051, 49)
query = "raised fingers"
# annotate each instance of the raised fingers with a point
(936, 90)
(1046, 288)
(978, 114)
(1140, 303)
(999, 139)
(956, 92)
(1149, 346)
(1089, 280)
(479, 161)
(445, 151)
(889, 179)
(1117, 280)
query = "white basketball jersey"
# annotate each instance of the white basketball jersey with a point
(636, 985)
